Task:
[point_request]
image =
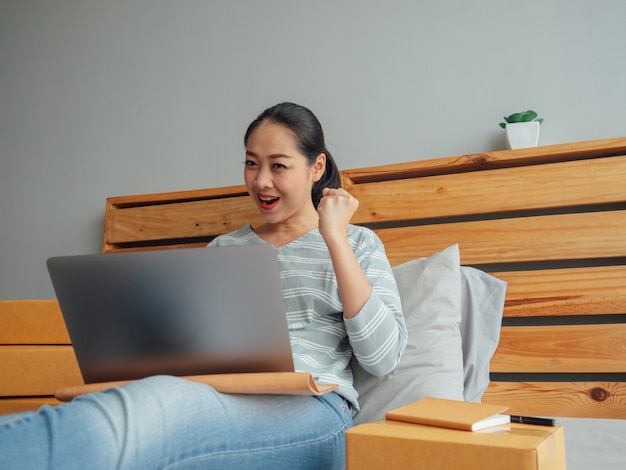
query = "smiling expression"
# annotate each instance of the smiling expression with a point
(279, 177)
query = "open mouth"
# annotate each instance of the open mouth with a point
(267, 202)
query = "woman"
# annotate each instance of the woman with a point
(341, 300)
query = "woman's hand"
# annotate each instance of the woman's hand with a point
(335, 210)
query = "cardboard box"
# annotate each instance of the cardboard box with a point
(397, 445)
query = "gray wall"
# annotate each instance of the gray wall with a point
(109, 98)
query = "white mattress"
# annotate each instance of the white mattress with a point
(594, 443)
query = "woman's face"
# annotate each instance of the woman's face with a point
(278, 175)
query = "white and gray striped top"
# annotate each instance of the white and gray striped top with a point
(322, 341)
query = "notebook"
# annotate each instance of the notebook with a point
(453, 414)
(184, 312)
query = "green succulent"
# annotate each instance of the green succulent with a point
(525, 116)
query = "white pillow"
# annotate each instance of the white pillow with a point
(432, 365)
(482, 304)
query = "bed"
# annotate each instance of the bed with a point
(512, 262)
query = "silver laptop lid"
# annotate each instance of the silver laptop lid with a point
(176, 312)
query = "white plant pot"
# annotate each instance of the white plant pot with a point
(521, 135)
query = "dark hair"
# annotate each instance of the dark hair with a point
(309, 137)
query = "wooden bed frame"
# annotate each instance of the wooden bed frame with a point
(551, 221)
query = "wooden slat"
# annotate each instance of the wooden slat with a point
(180, 220)
(20, 404)
(566, 399)
(561, 349)
(118, 202)
(555, 237)
(497, 159)
(32, 322)
(510, 189)
(37, 370)
(558, 292)
(149, 247)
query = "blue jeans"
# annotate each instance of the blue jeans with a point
(165, 422)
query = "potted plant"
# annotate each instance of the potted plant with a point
(522, 129)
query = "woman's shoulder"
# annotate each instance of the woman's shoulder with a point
(362, 235)
(360, 231)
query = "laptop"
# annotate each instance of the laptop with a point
(177, 312)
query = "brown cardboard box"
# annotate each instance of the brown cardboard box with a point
(396, 445)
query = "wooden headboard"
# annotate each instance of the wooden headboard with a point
(551, 221)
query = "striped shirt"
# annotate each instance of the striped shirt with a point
(322, 340)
